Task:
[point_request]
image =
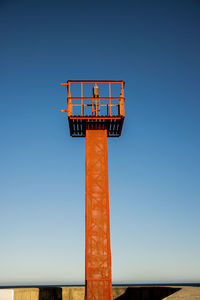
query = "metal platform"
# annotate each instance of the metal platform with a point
(79, 124)
(94, 111)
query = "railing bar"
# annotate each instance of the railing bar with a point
(88, 98)
(91, 81)
(91, 105)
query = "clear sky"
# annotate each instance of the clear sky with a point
(154, 168)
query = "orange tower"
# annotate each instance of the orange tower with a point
(96, 116)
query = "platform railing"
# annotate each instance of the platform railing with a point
(98, 105)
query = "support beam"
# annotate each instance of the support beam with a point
(98, 252)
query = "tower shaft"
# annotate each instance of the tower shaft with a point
(98, 251)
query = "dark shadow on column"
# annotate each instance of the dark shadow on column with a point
(50, 293)
(147, 293)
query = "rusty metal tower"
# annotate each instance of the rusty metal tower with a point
(96, 115)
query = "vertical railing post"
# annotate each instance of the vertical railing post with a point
(69, 101)
(110, 98)
(122, 112)
(99, 107)
(82, 99)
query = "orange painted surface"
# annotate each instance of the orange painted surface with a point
(98, 252)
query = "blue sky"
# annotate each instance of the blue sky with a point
(154, 168)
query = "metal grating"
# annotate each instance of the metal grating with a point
(78, 125)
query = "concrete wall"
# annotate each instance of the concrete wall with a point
(26, 294)
(6, 294)
(72, 293)
(119, 293)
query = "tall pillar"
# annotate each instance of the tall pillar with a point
(98, 252)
